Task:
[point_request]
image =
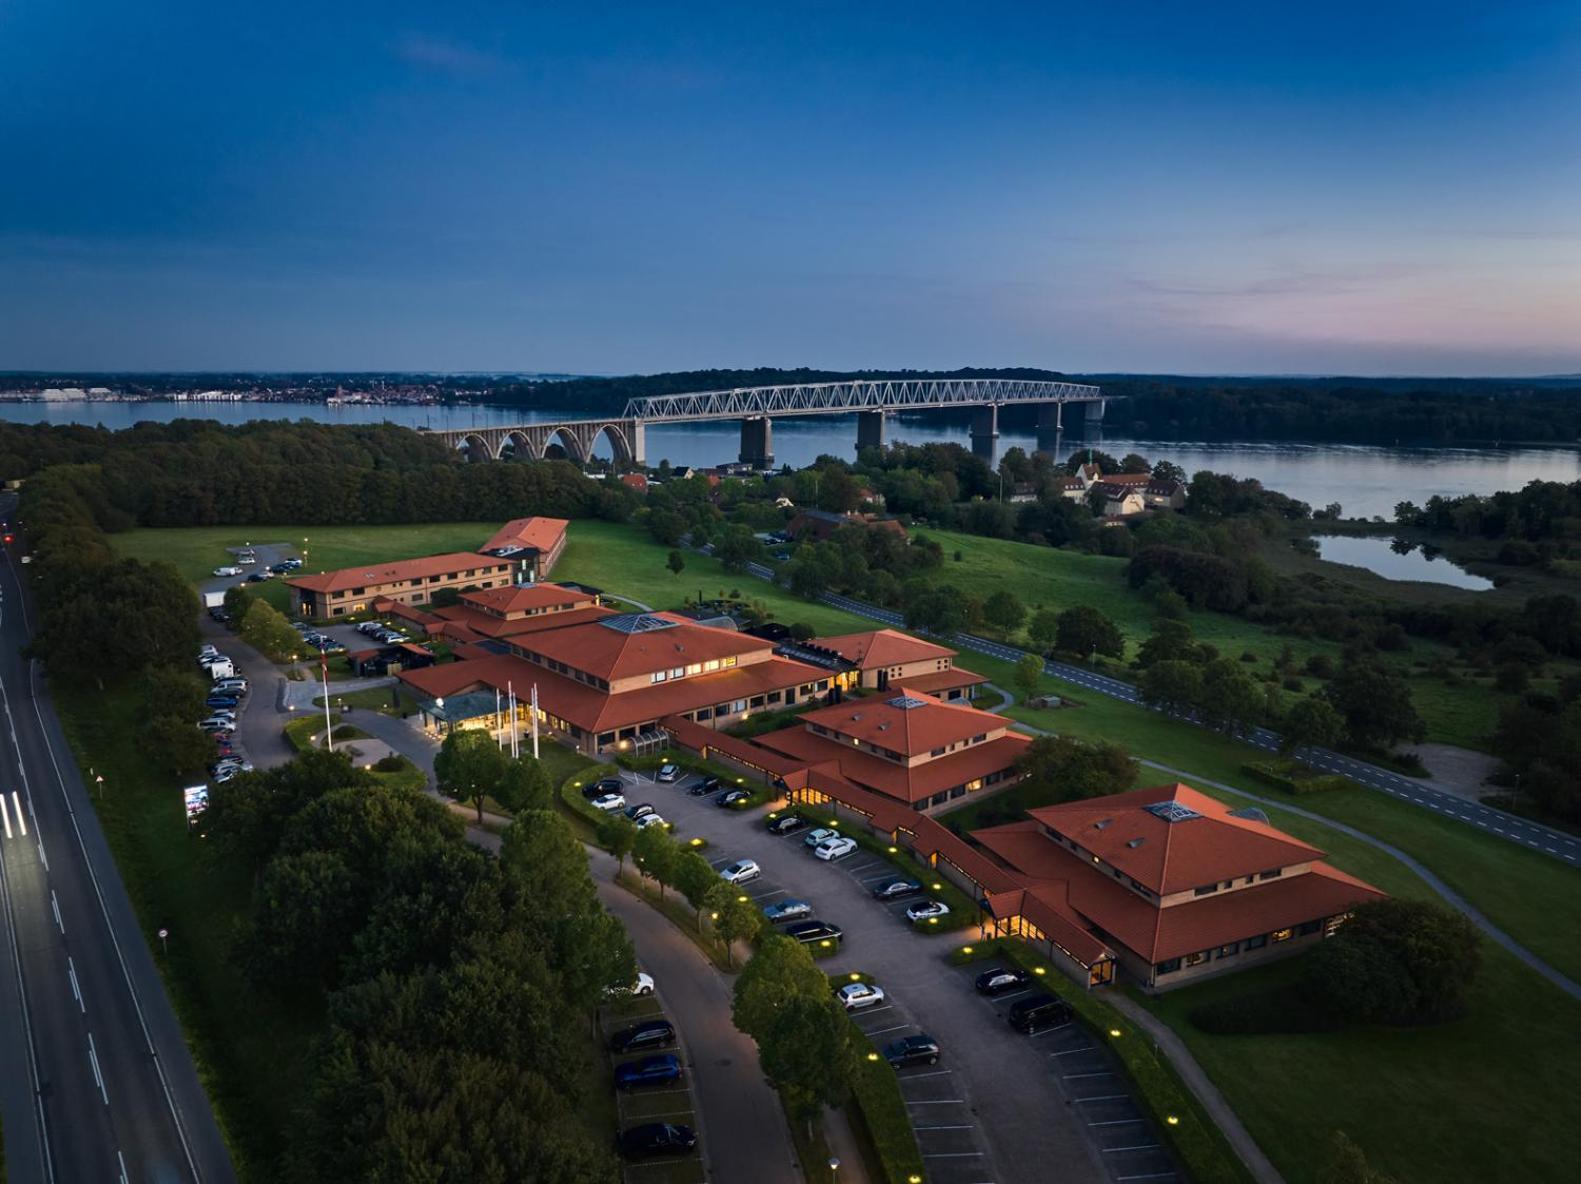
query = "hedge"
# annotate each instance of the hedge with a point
(1280, 777)
(1192, 1135)
(875, 1094)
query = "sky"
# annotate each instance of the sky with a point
(1359, 188)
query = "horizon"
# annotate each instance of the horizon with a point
(1386, 191)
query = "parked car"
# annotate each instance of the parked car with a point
(859, 996)
(231, 686)
(1039, 1013)
(922, 910)
(732, 797)
(642, 1036)
(230, 701)
(246, 559)
(811, 931)
(647, 820)
(663, 1069)
(281, 568)
(293, 564)
(643, 985)
(1000, 980)
(226, 571)
(895, 889)
(787, 910)
(920, 1049)
(819, 835)
(589, 792)
(706, 785)
(259, 577)
(205, 650)
(740, 872)
(609, 801)
(787, 824)
(637, 811)
(218, 725)
(653, 1139)
(836, 848)
(668, 772)
(610, 785)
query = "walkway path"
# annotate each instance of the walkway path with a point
(299, 695)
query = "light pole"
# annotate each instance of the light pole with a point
(834, 1168)
(164, 941)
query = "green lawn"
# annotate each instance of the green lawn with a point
(252, 1050)
(1476, 1101)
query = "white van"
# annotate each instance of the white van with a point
(224, 668)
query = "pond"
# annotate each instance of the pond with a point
(1396, 559)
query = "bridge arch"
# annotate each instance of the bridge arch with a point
(618, 444)
(474, 447)
(516, 446)
(569, 444)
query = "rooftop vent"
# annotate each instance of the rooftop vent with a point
(1172, 811)
(1101, 823)
(1135, 843)
(636, 623)
(907, 702)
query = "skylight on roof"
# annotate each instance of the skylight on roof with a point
(1251, 814)
(1172, 811)
(636, 623)
(907, 702)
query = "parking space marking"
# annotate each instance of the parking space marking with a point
(766, 895)
(933, 1073)
(962, 1126)
(953, 1155)
(1104, 1098)
(881, 1031)
(1070, 1052)
(1119, 1122)
(1138, 1147)
(1083, 1076)
(939, 1102)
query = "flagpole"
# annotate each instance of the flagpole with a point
(329, 725)
(510, 690)
(534, 721)
(498, 723)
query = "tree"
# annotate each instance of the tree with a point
(1375, 702)
(1043, 630)
(695, 877)
(734, 915)
(676, 562)
(267, 631)
(1168, 470)
(737, 548)
(618, 834)
(782, 969)
(168, 691)
(656, 854)
(469, 767)
(176, 745)
(1085, 630)
(238, 599)
(1170, 641)
(931, 608)
(1133, 462)
(1029, 673)
(1230, 701)
(1311, 721)
(1004, 612)
(1345, 1163)
(1171, 686)
(808, 1055)
(546, 862)
(525, 785)
(1072, 768)
(1395, 962)
(306, 911)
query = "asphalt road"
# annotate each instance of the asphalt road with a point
(97, 1082)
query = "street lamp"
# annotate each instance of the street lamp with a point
(834, 1166)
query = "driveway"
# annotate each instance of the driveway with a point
(1011, 1123)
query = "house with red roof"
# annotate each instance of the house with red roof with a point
(353, 590)
(532, 544)
(879, 658)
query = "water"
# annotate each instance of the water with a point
(1365, 481)
(1396, 560)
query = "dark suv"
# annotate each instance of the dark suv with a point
(808, 932)
(787, 824)
(643, 1036)
(920, 1049)
(706, 786)
(1001, 979)
(656, 1070)
(1039, 1013)
(656, 1138)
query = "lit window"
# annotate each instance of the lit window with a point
(711, 665)
(727, 663)
(1197, 959)
(659, 676)
(1279, 935)
(1228, 951)
(694, 668)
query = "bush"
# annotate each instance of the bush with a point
(393, 763)
(875, 1091)
(1248, 656)
(1320, 666)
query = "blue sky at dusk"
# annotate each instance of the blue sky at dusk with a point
(1376, 188)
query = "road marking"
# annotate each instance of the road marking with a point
(1119, 1122)
(882, 1031)
(1150, 1176)
(93, 1059)
(76, 990)
(961, 1126)
(1138, 1147)
(120, 1160)
(920, 1076)
(1070, 1052)
(1082, 1076)
(939, 1102)
(1103, 1098)
(20, 821)
(6, 816)
(954, 1155)
(54, 904)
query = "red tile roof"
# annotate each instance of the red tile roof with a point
(378, 575)
(879, 648)
(521, 598)
(1174, 856)
(906, 721)
(945, 680)
(545, 534)
(484, 625)
(902, 784)
(610, 654)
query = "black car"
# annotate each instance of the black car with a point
(808, 932)
(1039, 1013)
(1001, 979)
(608, 785)
(787, 824)
(894, 889)
(920, 1049)
(705, 786)
(655, 1138)
(730, 797)
(643, 1036)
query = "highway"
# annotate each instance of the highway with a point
(98, 1084)
(1512, 828)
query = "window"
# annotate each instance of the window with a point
(1168, 966)
(1197, 959)
(1258, 942)
(1307, 928)
(1205, 890)
(678, 672)
(1271, 874)
(978, 739)
(1279, 935)
(658, 676)
(711, 665)
(727, 663)
(694, 668)
(937, 752)
(1228, 951)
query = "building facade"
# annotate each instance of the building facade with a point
(353, 590)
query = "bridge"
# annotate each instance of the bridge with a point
(757, 407)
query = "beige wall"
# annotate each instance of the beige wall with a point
(904, 671)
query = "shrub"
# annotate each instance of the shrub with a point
(1248, 656)
(1320, 666)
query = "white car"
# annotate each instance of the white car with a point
(205, 650)
(836, 848)
(643, 986)
(218, 725)
(234, 686)
(610, 801)
(856, 996)
(926, 909)
(740, 871)
(227, 571)
(669, 772)
(246, 560)
(647, 820)
(819, 835)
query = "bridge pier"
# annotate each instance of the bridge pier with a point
(869, 429)
(638, 442)
(757, 442)
(1051, 427)
(985, 431)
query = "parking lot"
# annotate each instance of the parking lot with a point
(999, 1108)
(672, 1104)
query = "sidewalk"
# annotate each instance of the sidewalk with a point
(1165, 1040)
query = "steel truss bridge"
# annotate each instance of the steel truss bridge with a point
(756, 408)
